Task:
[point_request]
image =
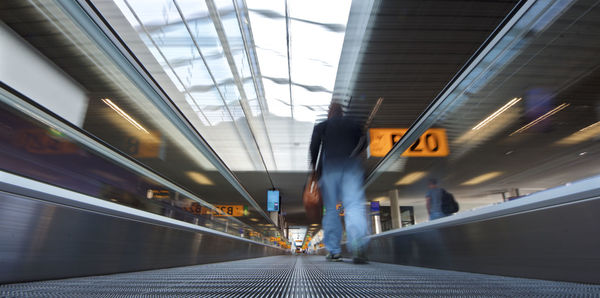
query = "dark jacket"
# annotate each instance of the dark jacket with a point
(342, 139)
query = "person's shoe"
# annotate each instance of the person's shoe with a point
(360, 257)
(333, 257)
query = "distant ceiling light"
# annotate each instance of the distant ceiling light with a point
(541, 118)
(411, 178)
(582, 153)
(254, 219)
(379, 199)
(482, 178)
(595, 125)
(581, 135)
(509, 152)
(122, 113)
(497, 113)
(199, 178)
(314, 225)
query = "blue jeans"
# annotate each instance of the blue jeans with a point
(436, 214)
(344, 182)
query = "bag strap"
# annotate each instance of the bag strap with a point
(320, 148)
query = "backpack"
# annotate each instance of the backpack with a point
(449, 204)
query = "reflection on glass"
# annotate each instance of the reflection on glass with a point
(139, 135)
(523, 119)
(497, 113)
(123, 114)
(46, 154)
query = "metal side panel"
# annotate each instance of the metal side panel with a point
(42, 240)
(558, 242)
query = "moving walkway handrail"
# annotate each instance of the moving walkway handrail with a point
(31, 188)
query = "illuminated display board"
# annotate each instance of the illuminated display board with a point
(273, 200)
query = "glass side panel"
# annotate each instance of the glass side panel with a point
(37, 151)
(524, 119)
(126, 114)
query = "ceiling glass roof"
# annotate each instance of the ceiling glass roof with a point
(253, 76)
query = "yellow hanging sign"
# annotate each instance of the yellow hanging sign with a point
(433, 143)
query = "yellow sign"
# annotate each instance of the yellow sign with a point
(228, 210)
(433, 143)
(40, 141)
(158, 194)
(144, 145)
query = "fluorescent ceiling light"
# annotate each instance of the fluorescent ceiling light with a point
(411, 178)
(582, 135)
(199, 178)
(497, 113)
(541, 118)
(254, 219)
(482, 178)
(589, 127)
(378, 199)
(122, 113)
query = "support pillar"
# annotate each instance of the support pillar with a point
(513, 193)
(395, 209)
(376, 224)
(274, 215)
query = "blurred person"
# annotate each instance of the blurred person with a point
(434, 200)
(340, 141)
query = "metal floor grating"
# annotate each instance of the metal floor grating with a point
(297, 276)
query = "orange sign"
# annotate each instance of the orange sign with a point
(433, 143)
(144, 145)
(158, 194)
(228, 210)
(40, 141)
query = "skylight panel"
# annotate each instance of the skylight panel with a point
(293, 46)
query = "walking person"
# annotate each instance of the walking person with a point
(340, 141)
(434, 200)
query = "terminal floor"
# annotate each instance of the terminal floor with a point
(297, 276)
